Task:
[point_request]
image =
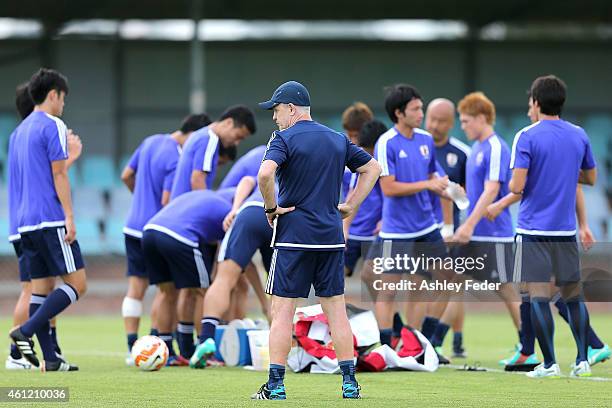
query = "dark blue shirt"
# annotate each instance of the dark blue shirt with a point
(311, 159)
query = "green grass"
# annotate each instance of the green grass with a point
(96, 344)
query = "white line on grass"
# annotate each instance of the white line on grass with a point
(497, 370)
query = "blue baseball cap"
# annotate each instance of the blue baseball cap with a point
(289, 92)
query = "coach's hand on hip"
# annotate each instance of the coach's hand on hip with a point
(279, 211)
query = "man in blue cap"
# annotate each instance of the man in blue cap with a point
(308, 160)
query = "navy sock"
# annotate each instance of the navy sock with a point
(54, 304)
(578, 319)
(184, 338)
(593, 340)
(439, 334)
(58, 350)
(544, 328)
(167, 338)
(429, 326)
(457, 341)
(209, 325)
(348, 371)
(398, 325)
(43, 331)
(15, 352)
(153, 332)
(131, 339)
(276, 375)
(385, 336)
(527, 335)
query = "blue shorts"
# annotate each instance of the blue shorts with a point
(24, 272)
(293, 273)
(538, 258)
(430, 245)
(249, 232)
(354, 250)
(493, 261)
(169, 260)
(47, 254)
(135, 257)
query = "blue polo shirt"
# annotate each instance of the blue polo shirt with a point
(311, 159)
(247, 165)
(553, 152)
(370, 212)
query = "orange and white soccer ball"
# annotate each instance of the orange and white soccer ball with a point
(149, 353)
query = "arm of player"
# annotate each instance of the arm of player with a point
(493, 210)
(447, 217)
(466, 230)
(265, 179)
(243, 190)
(198, 180)
(392, 188)
(348, 221)
(518, 180)
(368, 174)
(128, 176)
(588, 177)
(62, 188)
(584, 232)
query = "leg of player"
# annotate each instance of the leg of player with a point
(457, 326)
(154, 311)
(598, 351)
(524, 357)
(15, 361)
(131, 309)
(578, 319)
(437, 338)
(367, 278)
(544, 328)
(238, 300)
(187, 300)
(165, 315)
(334, 308)
(384, 307)
(252, 275)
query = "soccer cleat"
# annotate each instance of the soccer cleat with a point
(177, 361)
(278, 393)
(521, 362)
(25, 346)
(441, 359)
(58, 365)
(202, 353)
(541, 372)
(517, 352)
(582, 369)
(459, 352)
(599, 355)
(17, 363)
(350, 390)
(213, 361)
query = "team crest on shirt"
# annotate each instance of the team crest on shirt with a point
(451, 159)
(424, 149)
(479, 158)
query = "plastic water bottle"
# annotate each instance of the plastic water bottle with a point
(456, 193)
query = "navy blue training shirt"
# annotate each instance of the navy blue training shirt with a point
(311, 159)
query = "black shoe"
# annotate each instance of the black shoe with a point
(60, 365)
(442, 360)
(25, 346)
(265, 393)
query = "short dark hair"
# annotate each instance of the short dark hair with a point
(397, 97)
(194, 122)
(549, 92)
(242, 116)
(356, 115)
(228, 151)
(44, 81)
(370, 132)
(23, 101)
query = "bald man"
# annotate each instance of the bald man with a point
(452, 155)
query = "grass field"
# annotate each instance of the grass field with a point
(96, 344)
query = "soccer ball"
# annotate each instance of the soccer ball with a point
(149, 353)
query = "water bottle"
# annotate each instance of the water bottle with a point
(456, 193)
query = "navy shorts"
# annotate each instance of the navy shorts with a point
(47, 254)
(135, 257)
(169, 260)
(538, 258)
(354, 250)
(492, 261)
(293, 273)
(24, 272)
(430, 245)
(249, 232)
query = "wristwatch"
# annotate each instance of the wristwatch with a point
(270, 210)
